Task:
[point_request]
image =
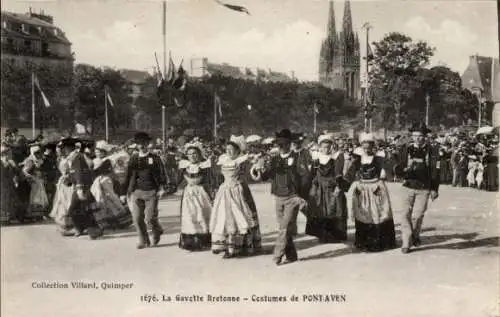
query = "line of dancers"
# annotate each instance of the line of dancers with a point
(219, 213)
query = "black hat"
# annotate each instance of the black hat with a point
(420, 127)
(142, 137)
(298, 137)
(284, 136)
(69, 142)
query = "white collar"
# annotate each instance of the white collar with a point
(143, 154)
(286, 155)
(367, 159)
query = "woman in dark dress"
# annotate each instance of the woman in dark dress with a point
(371, 203)
(445, 165)
(327, 218)
(490, 162)
(9, 174)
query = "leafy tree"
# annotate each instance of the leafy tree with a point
(16, 97)
(396, 64)
(89, 86)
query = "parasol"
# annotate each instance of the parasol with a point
(253, 138)
(484, 130)
(268, 141)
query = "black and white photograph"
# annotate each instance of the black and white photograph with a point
(177, 158)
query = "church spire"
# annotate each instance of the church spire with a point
(331, 29)
(347, 21)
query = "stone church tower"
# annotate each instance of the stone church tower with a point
(339, 60)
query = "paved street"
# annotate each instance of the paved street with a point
(454, 273)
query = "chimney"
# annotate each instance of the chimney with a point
(42, 16)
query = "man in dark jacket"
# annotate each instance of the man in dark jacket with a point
(82, 203)
(421, 182)
(145, 185)
(304, 160)
(285, 174)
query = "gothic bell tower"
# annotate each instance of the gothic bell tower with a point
(339, 65)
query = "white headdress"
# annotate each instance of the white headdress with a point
(35, 148)
(239, 141)
(325, 138)
(195, 144)
(103, 145)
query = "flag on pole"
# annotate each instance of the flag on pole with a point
(234, 7)
(218, 104)
(180, 81)
(171, 73)
(108, 96)
(37, 84)
(316, 110)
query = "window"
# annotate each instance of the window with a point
(4, 24)
(45, 49)
(25, 28)
(27, 45)
(56, 32)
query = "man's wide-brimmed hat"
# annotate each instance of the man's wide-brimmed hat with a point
(142, 137)
(420, 127)
(284, 136)
(69, 142)
(298, 137)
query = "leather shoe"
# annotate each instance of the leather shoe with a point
(405, 250)
(277, 261)
(417, 242)
(142, 246)
(157, 237)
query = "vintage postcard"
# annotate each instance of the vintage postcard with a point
(250, 158)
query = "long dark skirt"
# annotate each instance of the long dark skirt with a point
(445, 172)
(491, 177)
(195, 242)
(330, 227)
(373, 213)
(375, 237)
(82, 215)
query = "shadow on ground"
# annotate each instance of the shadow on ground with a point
(470, 243)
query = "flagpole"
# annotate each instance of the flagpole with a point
(427, 106)
(163, 110)
(315, 122)
(33, 126)
(215, 116)
(367, 26)
(106, 111)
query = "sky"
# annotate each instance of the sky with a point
(282, 35)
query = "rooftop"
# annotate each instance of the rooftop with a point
(36, 27)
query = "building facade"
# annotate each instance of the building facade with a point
(201, 67)
(31, 43)
(482, 78)
(339, 61)
(33, 38)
